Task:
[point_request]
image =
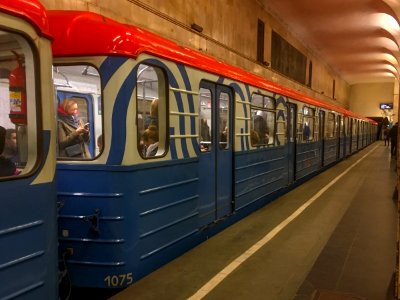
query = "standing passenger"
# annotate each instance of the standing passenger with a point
(386, 135)
(73, 135)
(100, 142)
(152, 119)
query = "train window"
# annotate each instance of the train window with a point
(354, 127)
(18, 120)
(262, 120)
(308, 124)
(346, 126)
(205, 120)
(151, 111)
(339, 126)
(79, 112)
(224, 121)
(330, 126)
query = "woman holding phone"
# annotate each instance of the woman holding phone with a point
(73, 135)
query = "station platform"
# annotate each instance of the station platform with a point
(332, 238)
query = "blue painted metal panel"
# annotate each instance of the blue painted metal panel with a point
(145, 218)
(28, 243)
(331, 151)
(308, 159)
(259, 173)
(347, 145)
(354, 144)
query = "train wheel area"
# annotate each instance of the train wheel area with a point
(333, 235)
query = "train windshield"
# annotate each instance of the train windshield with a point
(18, 130)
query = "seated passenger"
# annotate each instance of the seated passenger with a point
(7, 167)
(150, 141)
(10, 147)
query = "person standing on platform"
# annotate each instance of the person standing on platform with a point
(393, 139)
(386, 135)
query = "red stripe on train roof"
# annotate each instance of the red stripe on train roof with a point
(31, 11)
(78, 33)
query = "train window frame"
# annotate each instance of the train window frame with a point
(308, 124)
(32, 147)
(205, 120)
(224, 121)
(162, 119)
(264, 108)
(88, 88)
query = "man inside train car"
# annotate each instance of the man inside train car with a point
(260, 126)
(7, 167)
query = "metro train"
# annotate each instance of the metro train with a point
(181, 146)
(28, 214)
(225, 142)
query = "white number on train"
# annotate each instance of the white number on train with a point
(119, 280)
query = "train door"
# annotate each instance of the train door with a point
(216, 153)
(85, 108)
(321, 135)
(291, 134)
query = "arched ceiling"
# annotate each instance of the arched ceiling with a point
(359, 39)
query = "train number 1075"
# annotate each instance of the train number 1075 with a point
(119, 280)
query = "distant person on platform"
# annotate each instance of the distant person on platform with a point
(386, 135)
(393, 139)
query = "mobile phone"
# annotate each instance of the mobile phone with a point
(86, 126)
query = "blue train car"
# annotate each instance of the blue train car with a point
(177, 147)
(28, 215)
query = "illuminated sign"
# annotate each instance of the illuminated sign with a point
(386, 105)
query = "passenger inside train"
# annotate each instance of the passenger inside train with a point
(10, 147)
(73, 134)
(150, 141)
(205, 137)
(7, 167)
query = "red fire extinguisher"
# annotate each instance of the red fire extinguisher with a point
(17, 89)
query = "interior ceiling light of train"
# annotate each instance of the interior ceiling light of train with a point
(359, 39)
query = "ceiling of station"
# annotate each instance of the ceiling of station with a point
(359, 39)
